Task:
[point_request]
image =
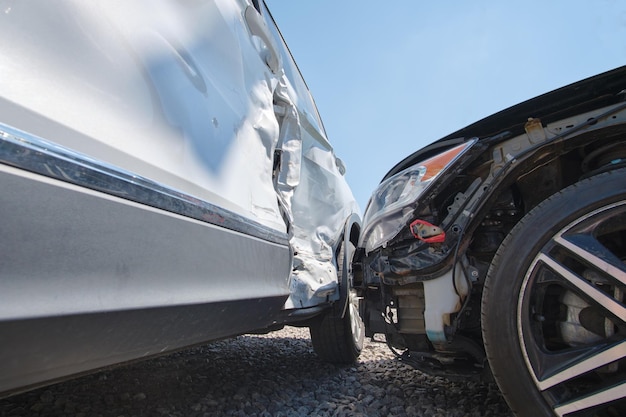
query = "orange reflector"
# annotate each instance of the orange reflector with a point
(437, 163)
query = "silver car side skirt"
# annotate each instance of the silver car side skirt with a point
(40, 351)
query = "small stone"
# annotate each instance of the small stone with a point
(37, 407)
(18, 411)
(46, 397)
(139, 397)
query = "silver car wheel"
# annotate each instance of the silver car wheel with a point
(338, 335)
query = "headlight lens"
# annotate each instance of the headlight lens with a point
(387, 212)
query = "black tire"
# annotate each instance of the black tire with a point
(550, 308)
(338, 337)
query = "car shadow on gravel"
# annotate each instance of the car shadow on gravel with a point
(269, 375)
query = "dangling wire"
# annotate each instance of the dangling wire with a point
(465, 275)
(454, 260)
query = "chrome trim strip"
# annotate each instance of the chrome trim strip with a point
(32, 153)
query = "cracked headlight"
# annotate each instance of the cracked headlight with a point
(390, 207)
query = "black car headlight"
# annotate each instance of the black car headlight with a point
(391, 206)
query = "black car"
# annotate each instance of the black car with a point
(502, 247)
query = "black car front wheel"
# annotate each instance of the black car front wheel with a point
(553, 308)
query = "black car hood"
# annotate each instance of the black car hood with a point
(599, 90)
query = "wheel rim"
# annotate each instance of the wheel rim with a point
(356, 325)
(571, 317)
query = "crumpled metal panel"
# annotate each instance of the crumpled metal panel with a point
(316, 199)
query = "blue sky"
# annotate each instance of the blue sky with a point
(391, 77)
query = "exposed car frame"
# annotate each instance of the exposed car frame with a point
(433, 237)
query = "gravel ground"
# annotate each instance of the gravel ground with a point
(270, 375)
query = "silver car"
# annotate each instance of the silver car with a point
(166, 181)
(502, 247)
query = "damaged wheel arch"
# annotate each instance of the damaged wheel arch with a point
(338, 335)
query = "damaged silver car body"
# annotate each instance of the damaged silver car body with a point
(167, 181)
(503, 246)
